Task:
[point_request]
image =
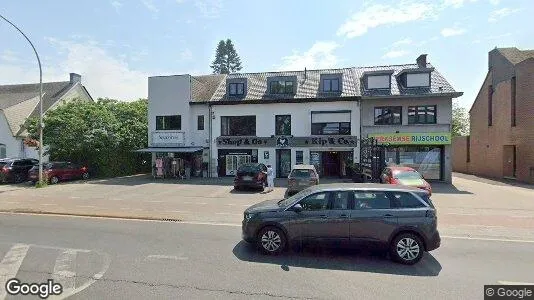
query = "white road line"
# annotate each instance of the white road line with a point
(156, 201)
(179, 211)
(486, 239)
(172, 257)
(48, 204)
(230, 214)
(65, 270)
(74, 197)
(9, 266)
(514, 283)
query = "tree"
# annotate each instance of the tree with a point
(226, 58)
(460, 120)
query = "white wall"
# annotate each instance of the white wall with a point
(13, 146)
(198, 137)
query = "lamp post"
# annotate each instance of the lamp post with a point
(41, 125)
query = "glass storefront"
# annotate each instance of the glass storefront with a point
(427, 160)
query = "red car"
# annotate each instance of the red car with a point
(59, 171)
(405, 176)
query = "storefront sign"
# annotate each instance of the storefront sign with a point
(167, 138)
(288, 141)
(413, 138)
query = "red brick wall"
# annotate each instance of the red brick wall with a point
(459, 154)
(524, 130)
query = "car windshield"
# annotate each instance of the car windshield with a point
(300, 173)
(408, 175)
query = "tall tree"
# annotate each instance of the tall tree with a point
(226, 58)
(460, 120)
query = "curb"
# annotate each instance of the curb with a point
(107, 216)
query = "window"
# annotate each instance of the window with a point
(337, 128)
(281, 87)
(418, 80)
(317, 201)
(169, 122)
(283, 125)
(378, 81)
(238, 126)
(331, 85)
(200, 122)
(3, 151)
(512, 100)
(236, 89)
(371, 200)
(422, 114)
(406, 200)
(490, 105)
(388, 115)
(299, 157)
(340, 200)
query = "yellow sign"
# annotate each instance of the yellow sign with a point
(433, 138)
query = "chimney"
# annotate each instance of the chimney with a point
(421, 61)
(305, 73)
(75, 78)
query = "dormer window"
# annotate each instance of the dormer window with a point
(331, 85)
(281, 87)
(417, 80)
(236, 89)
(379, 81)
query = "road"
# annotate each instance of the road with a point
(129, 259)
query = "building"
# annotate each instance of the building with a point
(21, 101)
(310, 116)
(502, 120)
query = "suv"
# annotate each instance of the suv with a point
(301, 177)
(16, 169)
(251, 175)
(59, 171)
(399, 218)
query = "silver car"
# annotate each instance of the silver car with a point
(300, 178)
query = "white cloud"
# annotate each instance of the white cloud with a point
(149, 4)
(380, 14)
(209, 8)
(395, 53)
(116, 5)
(406, 41)
(9, 56)
(452, 31)
(186, 54)
(319, 56)
(456, 3)
(501, 13)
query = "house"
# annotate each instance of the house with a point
(21, 101)
(501, 140)
(304, 117)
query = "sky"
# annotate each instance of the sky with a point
(117, 44)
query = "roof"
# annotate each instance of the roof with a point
(308, 84)
(515, 55)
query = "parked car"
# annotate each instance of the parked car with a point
(59, 171)
(405, 176)
(16, 169)
(399, 218)
(251, 175)
(301, 177)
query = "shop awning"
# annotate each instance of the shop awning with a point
(171, 149)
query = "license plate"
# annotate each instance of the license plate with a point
(247, 178)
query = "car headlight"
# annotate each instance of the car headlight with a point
(248, 216)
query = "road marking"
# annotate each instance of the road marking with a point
(514, 283)
(65, 270)
(48, 204)
(228, 214)
(156, 201)
(179, 211)
(74, 197)
(86, 206)
(172, 257)
(486, 239)
(9, 266)
(11, 202)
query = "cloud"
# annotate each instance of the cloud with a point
(149, 4)
(406, 41)
(116, 5)
(380, 14)
(186, 54)
(452, 31)
(395, 53)
(210, 9)
(9, 56)
(456, 3)
(319, 56)
(501, 13)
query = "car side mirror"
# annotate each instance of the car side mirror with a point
(297, 208)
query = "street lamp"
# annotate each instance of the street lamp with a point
(41, 125)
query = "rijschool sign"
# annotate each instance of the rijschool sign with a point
(287, 141)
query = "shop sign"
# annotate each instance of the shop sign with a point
(289, 141)
(434, 138)
(168, 138)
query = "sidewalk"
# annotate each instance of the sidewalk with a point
(494, 181)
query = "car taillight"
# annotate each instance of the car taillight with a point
(84, 169)
(4, 169)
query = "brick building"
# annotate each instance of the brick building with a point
(501, 142)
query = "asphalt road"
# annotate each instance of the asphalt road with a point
(126, 259)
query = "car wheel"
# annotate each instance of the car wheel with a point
(271, 240)
(237, 188)
(54, 180)
(85, 176)
(406, 248)
(17, 178)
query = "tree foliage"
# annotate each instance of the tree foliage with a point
(460, 120)
(101, 135)
(226, 58)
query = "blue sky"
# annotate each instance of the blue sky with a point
(117, 44)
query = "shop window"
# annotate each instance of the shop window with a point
(200, 122)
(238, 126)
(299, 157)
(283, 125)
(422, 114)
(391, 115)
(281, 87)
(169, 122)
(332, 128)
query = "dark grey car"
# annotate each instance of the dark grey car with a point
(401, 218)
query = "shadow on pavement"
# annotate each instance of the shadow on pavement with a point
(338, 259)
(447, 188)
